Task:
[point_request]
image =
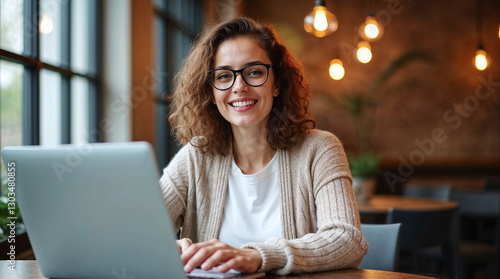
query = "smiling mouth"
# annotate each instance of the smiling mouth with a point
(242, 104)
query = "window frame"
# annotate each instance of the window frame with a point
(31, 61)
(186, 21)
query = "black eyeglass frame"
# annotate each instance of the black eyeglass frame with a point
(268, 66)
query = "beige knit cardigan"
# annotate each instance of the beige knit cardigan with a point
(319, 218)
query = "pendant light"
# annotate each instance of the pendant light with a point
(480, 57)
(336, 69)
(364, 52)
(320, 22)
(372, 29)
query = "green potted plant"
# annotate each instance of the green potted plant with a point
(359, 105)
(364, 168)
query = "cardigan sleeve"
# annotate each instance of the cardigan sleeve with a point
(337, 243)
(174, 186)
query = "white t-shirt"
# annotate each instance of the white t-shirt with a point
(252, 209)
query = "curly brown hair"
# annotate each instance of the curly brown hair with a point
(193, 112)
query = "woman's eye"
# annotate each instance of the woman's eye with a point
(254, 73)
(224, 76)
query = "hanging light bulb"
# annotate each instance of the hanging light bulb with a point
(46, 25)
(320, 22)
(336, 70)
(480, 59)
(499, 31)
(371, 30)
(364, 52)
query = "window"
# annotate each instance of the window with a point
(49, 72)
(177, 22)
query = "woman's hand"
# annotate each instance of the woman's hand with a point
(219, 255)
(183, 244)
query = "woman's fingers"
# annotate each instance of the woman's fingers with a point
(197, 253)
(183, 244)
(217, 254)
(221, 256)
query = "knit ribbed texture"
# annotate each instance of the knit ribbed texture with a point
(319, 218)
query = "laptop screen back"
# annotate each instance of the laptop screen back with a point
(95, 211)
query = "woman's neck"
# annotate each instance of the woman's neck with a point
(251, 151)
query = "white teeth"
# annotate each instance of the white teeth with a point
(243, 104)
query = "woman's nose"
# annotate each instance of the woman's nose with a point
(239, 84)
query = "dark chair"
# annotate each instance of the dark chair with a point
(383, 240)
(475, 209)
(481, 207)
(427, 228)
(440, 192)
(491, 184)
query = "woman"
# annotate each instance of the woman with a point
(255, 188)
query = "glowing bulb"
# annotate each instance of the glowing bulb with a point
(320, 22)
(46, 24)
(336, 70)
(498, 30)
(371, 30)
(364, 52)
(480, 60)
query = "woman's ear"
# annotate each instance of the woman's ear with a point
(276, 92)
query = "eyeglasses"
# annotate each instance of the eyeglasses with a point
(254, 75)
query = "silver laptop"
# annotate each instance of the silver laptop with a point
(96, 211)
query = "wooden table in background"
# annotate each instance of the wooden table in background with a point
(380, 204)
(30, 270)
(375, 209)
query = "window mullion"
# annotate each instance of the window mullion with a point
(65, 79)
(31, 106)
(93, 37)
(93, 98)
(30, 25)
(95, 134)
(65, 109)
(31, 77)
(65, 35)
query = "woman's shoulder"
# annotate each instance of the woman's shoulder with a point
(320, 138)
(316, 142)
(321, 151)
